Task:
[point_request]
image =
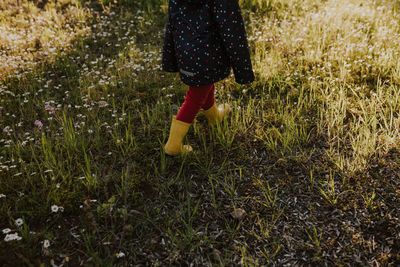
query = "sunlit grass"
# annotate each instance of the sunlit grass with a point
(30, 35)
(347, 53)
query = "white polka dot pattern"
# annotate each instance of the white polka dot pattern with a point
(204, 39)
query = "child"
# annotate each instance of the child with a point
(204, 39)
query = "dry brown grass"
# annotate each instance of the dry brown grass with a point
(29, 35)
(349, 52)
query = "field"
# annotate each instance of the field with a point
(304, 171)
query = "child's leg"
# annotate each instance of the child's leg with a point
(210, 100)
(213, 113)
(196, 98)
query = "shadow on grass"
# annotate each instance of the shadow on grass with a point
(62, 93)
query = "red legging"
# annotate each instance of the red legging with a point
(197, 97)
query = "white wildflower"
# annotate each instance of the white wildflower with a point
(19, 222)
(11, 237)
(46, 244)
(7, 238)
(54, 208)
(6, 230)
(120, 254)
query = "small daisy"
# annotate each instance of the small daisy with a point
(19, 222)
(16, 237)
(46, 244)
(11, 237)
(54, 208)
(6, 230)
(8, 238)
(120, 254)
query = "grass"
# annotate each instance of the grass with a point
(309, 154)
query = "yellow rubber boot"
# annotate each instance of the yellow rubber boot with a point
(216, 114)
(178, 130)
